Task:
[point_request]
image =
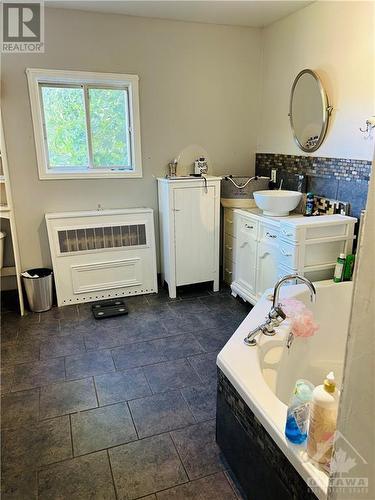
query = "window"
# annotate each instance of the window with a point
(85, 124)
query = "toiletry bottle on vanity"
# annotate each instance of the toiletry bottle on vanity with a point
(309, 210)
(349, 267)
(323, 417)
(339, 268)
(298, 412)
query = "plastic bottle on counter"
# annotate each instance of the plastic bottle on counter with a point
(309, 210)
(339, 268)
(298, 412)
(349, 267)
(323, 418)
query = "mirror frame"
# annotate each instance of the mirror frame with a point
(326, 108)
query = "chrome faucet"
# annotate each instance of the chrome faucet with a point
(276, 315)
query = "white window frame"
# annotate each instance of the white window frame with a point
(36, 77)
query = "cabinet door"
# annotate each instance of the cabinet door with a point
(267, 266)
(195, 233)
(246, 259)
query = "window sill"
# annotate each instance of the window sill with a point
(90, 174)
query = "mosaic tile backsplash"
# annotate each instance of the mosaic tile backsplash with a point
(334, 178)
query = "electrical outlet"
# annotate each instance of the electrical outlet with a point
(274, 175)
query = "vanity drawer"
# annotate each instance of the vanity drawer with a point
(269, 234)
(248, 226)
(288, 233)
(288, 254)
(229, 221)
(229, 242)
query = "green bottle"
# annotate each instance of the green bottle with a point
(349, 267)
(339, 269)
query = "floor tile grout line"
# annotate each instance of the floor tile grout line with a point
(131, 416)
(147, 382)
(200, 378)
(113, 360)
(178, 454)
(187, 404)
(71, 435)
(96, 391)
(112, 475)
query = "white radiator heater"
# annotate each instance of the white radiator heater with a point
(102, 254)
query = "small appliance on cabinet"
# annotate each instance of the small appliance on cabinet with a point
(189, 220)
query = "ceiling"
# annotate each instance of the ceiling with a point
(256, 14)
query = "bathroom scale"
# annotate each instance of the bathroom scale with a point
(109, 308)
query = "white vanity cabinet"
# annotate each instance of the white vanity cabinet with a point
(267, 248)
(189, 220)
(246, 253)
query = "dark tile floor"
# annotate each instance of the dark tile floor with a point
(122, 408)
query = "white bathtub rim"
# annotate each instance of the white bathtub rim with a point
(241, 365)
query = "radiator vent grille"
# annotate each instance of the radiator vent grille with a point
(95, 238)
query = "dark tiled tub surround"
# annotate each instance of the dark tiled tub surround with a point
(261, 468)
(119, 408)
(336, 178)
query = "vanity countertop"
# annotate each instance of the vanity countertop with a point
(298, 219)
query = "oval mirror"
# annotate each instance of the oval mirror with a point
(309, 111)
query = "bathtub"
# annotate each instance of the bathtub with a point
(264, 375)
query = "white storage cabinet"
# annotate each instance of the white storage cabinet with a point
(266, 248)
(189, 220)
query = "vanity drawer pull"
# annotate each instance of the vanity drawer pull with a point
(227, 271)
(286, 254)
(229, 221)
(264, 255)
(269, 235)
(228, 247)
(285, 233)
(249, 227)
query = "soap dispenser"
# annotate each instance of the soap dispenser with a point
(323, 417)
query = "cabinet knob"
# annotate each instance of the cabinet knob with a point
(176, 210)
(286, 254)
(249, 227)
(285, 232)
(228, 248)
(271, 235)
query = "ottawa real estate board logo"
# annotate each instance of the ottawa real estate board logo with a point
(346, 467)
(22, 27)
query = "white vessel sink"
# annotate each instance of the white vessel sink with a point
(277, 203)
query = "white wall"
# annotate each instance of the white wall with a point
(199, 84)
(336, 39)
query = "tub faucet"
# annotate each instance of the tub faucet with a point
(276, 315)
